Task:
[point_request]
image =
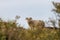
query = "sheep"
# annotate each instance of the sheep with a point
(35, 23)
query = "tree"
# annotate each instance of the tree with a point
(57, 11)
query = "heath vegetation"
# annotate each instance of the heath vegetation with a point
(11, 30)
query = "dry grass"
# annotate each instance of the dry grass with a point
(10, 31)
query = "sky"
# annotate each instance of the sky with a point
(37, 9)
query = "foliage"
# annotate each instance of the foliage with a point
(57, 11)
(10, 31)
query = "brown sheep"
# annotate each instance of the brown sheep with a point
(35, 23)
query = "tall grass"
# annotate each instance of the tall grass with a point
(10, 31)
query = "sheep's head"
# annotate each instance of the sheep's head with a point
(29, 18)
(30, 22)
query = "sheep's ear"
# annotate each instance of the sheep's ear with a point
(26, 18)
(30, 18)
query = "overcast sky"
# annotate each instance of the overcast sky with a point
(37, 9)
